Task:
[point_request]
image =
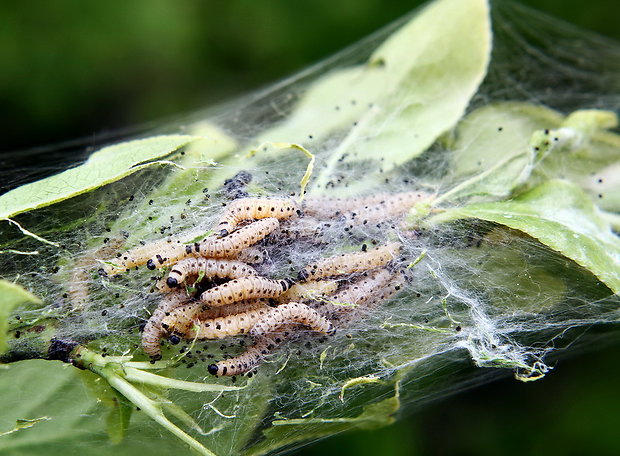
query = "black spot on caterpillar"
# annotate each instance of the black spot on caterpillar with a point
(226, 247)
(255, 209)
(209, 267)
(350, 263)
(370, 209)
(153, 330)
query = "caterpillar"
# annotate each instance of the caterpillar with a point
(244, 362)
(182, 318)
(251, 255)
(236, 308)
(210, 267)
(349, 263)
(153, 331)
(309, 290)
(231, 325)
(242, 289)
(226, 247)
(369, 208)
(293, 312)
(255, 209)
(78, 290)
(265, 341)
(142, 254)
(359, 296)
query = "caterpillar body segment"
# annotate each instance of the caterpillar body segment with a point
(244, 288)
(255, 209)
(309, 290)
(153, 331)
(251, 255)
(369, 209)
(209, 267)
(246, 361)
(226, 247)
(292, 312)
(350, 263)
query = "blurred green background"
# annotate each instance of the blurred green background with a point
(84, 69)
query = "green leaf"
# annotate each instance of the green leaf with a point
(37, 388)
(561, 216)
(491, 152)
(414, 87)
(103, 167)
(587, 154)
(11, 296)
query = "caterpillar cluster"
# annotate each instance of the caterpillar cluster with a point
(327, 294)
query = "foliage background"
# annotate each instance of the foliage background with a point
(92, 69)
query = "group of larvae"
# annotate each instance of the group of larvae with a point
(327, 294)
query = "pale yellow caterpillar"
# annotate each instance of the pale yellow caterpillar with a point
(292, 312)
(255, 209)
(309, 290)
(251, 255)
(350, 263)
(226, 247)
(359, 296)
(242, 289)
(231, 325)
(153, 331)
(236, 308)
(208, 267)
(141, 254)
(244, 362)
